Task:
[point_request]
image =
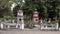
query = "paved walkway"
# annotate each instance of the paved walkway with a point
(27, 31)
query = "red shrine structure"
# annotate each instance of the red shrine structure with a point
(36, 16)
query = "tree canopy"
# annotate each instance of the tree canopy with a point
(46, 8)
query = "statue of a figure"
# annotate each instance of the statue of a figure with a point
(20, 14)
(20, 19)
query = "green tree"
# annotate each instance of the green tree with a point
(47, 8)
(5, 8)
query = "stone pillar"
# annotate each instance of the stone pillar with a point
(1, 25)
(57, 26)
(49, 21)
(41, 21)
(13, 21)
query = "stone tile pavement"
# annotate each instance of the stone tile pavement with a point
(27, 31)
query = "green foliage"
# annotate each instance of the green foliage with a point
(28, 9)
(44, 7)
(15, 10)
(30, 24)
(5, 8)
(7, 17)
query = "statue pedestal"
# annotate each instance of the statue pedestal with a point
(22, 26)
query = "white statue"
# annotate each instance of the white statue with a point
(20, 18)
